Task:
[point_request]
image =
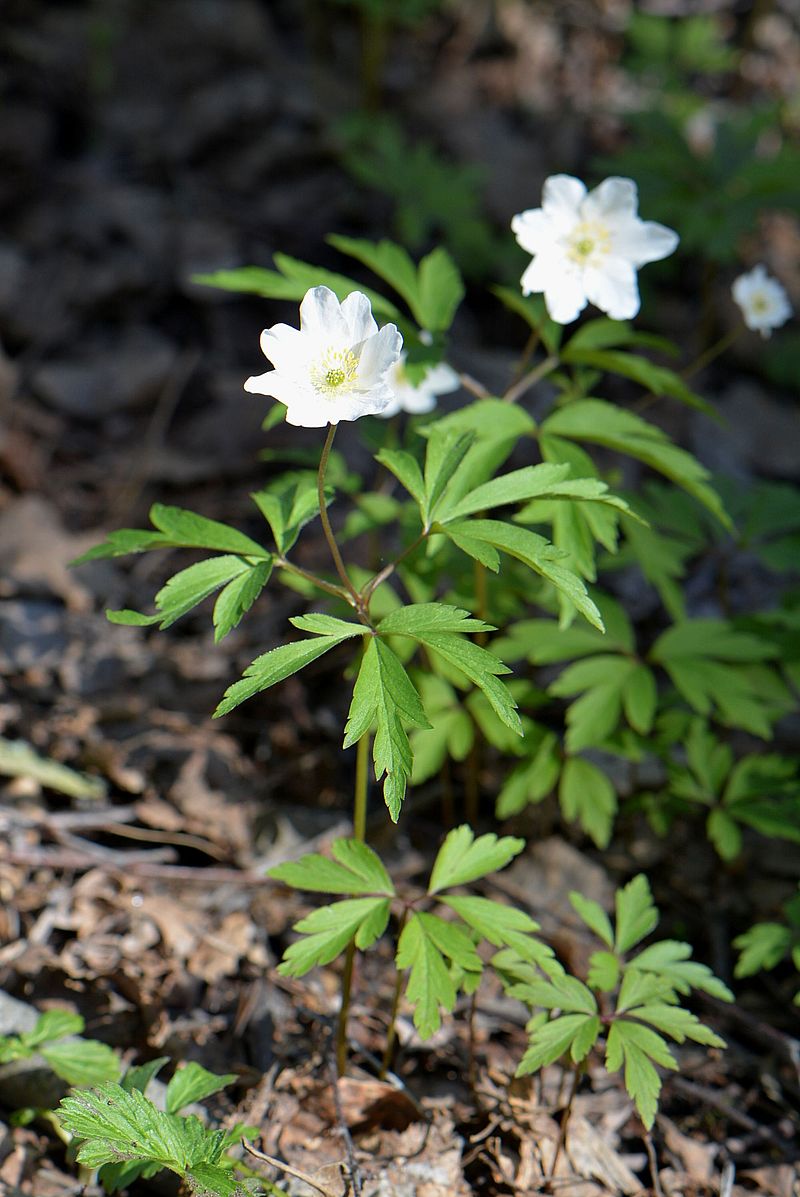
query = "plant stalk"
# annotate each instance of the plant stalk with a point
(391, 1033)
(359, 833)
(353, 595)
(517, 389)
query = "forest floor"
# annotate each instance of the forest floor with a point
(139, 152)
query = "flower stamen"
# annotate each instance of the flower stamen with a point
(588, 243)
(335, 371)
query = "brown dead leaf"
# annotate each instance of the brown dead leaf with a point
(366, 1104)
(593, 1158)
(35, 547)
(218, 954)
(696, 1157)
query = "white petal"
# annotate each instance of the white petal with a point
(357, 311)
(321, 317)
(275, 384)
(562, 196)
(565, 298)
(546, 270)
(532, 230)
(642, 241)
(441, 379)
(377, 354)
(307, 411)
(614, 198)
(613, 289)
(285, 347)
(356, 404)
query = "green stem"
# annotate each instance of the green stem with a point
(359, 833)
(517, 389)
(710, 354)
(328, 587)
(353, 595)
(373, 584)
(391, 1033)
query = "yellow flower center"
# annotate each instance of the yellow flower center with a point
(759, 302)
(588, 242)
(337, 368)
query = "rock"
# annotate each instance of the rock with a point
(109, 380)
(760, 434)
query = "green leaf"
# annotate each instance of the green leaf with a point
(407, 471)
(594, 916)
(636, 914)
(440, 290)
(419, 619)
(657, 379)
(533, 311)
(384, 695)
(273, 667)
(139, 1076)
(559, 992)
(604, 971)
(720, 670)
(594, 716)
(602, 423)
(123, 541)
(188, 530)
(678, 1023)
(535, 552)
(292, 282)
(637, 1047)
(503, 926)
(52, 1024)
(533, 779)
(445, 453)
(462, 858)
(82, 1061)
(389, 261)
(586, 795)
(236, 599)
(186, 589)
(327, 931)
(117, 1126)
(424, 943)
(669, 959)
(193, 1083)
(762, 947)
(437, 625)
(576, 1033)
(355, 869)
(327, 625)
(532, 482)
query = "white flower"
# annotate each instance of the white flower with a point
(763, 302)
(587, 247)
(335, 366)
(420, 397)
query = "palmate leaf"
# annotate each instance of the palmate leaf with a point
(669, 960)
(82, 1061)
(444, 454)
(639, 1048)
(432, 291)
(118, 1126)
(636, 913)
(607, 684)
(288, 504)
(326, 932)
(721, 670)
(575, 1033)
(279, 663)
(439, 627)
(587, 796)
(534, 778)
(503, 926)
(534, 551)
(763, 946)
(292, 282)
(451, 734)
(385, 696)
(659, 380)
(355, 869)
(177, 528)
(551, 480)
(602, 423)
(426, 943)
(462, 858)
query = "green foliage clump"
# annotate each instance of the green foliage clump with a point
(627, 1004)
